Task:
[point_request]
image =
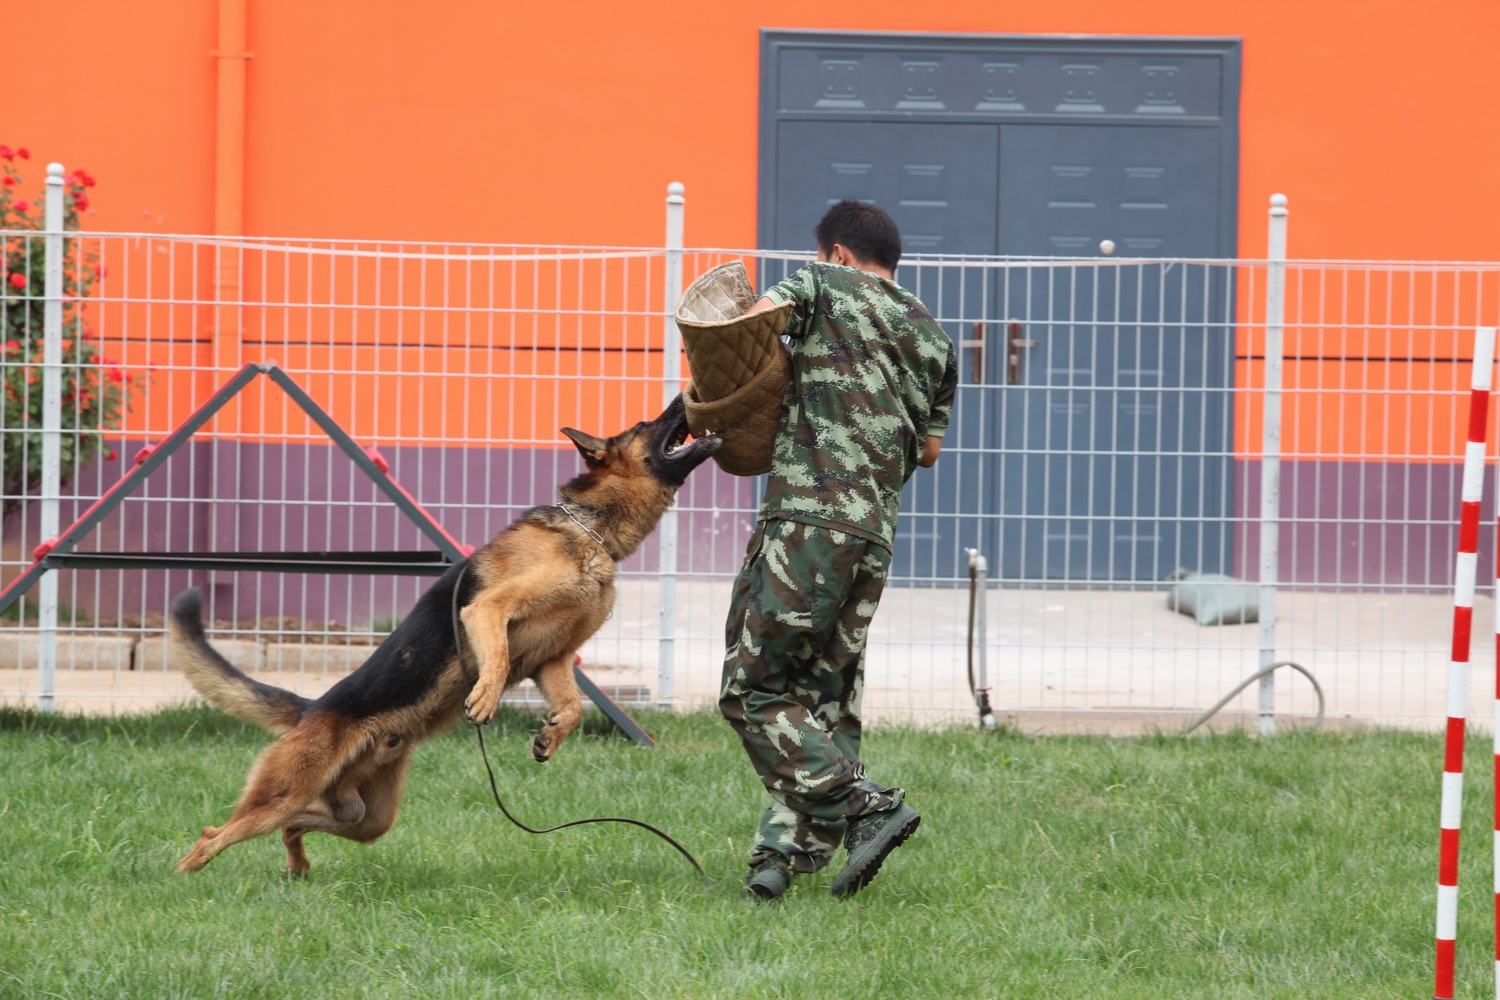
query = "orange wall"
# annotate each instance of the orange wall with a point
(563, 122)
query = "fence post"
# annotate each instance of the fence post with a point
(1270, 465)
(52, 293)
(671, 385)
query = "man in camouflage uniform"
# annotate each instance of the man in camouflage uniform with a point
(873, 379)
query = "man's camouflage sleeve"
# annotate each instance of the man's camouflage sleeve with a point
(942, 407)
(801, 290)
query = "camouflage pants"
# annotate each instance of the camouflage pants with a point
(793, 678)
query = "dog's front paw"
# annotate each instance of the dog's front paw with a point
(480, 706)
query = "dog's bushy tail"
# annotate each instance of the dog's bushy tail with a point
(218, 680)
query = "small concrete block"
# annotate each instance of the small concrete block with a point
(22, 650)
(245, 654)
(314, 658)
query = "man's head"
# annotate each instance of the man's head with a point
(861, 232)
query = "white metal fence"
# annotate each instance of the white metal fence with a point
(1112, 427)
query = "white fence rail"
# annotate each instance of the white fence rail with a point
(1117, 422)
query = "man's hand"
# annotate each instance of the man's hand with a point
(761, 305)
(930, 450)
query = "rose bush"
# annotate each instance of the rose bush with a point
(96, 390)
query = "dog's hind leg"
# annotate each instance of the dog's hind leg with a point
(290, 773)
(557, 684)
(315, 817)
(381, 794)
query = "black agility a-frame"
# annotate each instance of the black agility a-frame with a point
(60, 552)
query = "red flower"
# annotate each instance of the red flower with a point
(11, 345)
(115, 375)
(23, 206)
(9, 181)
(81, 203)
(6, 153)
(85, 179)
(23, 153)
(17, 280)
(110, 455)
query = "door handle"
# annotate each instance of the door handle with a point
(1015, 344)
(976, 348)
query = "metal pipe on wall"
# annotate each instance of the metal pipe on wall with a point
(229, 176)
(224, 351)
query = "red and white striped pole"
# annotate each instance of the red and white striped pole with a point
(1458, 668)
(1488, 336)
(1496, 724)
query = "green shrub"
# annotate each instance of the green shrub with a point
(96, 390)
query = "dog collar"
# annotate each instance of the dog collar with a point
(594, 534)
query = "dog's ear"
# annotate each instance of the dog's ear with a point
(594, 450)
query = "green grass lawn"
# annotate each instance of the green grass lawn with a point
(1163, 867)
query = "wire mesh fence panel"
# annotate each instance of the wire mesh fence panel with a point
(457, 365)
(1105, 453)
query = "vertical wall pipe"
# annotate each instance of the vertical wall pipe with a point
(1270, 465)
(51, 496)
(229, 179)
(225, 352)
(979, 678)
(671, 386)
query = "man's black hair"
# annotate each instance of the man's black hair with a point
(866, 231)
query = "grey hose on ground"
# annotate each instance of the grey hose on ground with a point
(1262, 672)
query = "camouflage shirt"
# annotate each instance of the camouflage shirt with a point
(873, 375)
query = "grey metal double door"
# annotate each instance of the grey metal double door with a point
(1090, 438)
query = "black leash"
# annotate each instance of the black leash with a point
(458, 639)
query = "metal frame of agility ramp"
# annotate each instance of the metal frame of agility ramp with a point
(60, 552)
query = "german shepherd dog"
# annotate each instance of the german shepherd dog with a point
(527, 601)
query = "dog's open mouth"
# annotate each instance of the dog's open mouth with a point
(675, 451)
(677, 446)
(678, 440)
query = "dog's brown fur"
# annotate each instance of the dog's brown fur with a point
(528, 600)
